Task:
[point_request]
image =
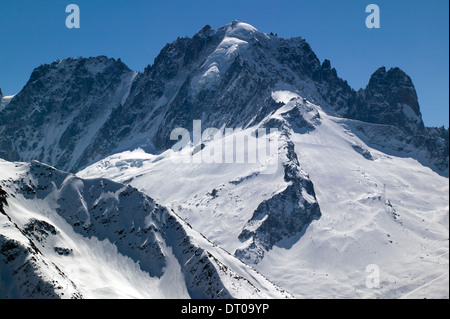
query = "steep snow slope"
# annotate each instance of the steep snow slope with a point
(220, 198)
(100, 239)
(376, 209)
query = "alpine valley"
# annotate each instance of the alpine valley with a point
(353, 202)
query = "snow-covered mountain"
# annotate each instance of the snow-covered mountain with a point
(74, 112)
(61, 108)
(344, 180)
(65, 237)
(334, 206)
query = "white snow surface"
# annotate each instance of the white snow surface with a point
(387, 211)
(235, 42)
(95, 268)
(4, 101)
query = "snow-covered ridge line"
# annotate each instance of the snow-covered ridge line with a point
(25, 271)
(144, 240)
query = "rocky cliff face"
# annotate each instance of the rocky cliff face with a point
(285, 215)
(61, 108)
(390, 98)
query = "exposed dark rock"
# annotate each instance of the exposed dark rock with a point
(40, 229)
(284, 215)
(390, 98)
(63, 251)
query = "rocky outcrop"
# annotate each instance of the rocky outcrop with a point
(390, 98)
(283, 216)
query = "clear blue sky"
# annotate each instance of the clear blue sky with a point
(414, 36)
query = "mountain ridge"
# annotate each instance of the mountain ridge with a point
(192, 78)
(57, 229)
(326, 180)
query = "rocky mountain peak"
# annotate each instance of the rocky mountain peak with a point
(205, 31)
(391, 98)
(71, 99)
(326, 64)
(240, 30)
